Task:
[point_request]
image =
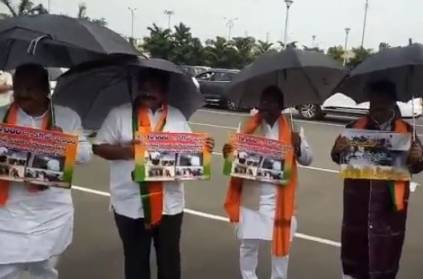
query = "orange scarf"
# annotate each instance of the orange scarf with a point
(285, 203)
(151, 192)
(11, 117)
(397, 188)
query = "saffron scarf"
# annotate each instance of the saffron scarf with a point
(151, 192)
(11, 117)
(285, 202)
(396, 188)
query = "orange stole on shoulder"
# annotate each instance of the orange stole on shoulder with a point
(285, 202)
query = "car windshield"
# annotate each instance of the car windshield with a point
(224, 76)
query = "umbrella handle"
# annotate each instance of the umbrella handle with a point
(414, 119)
(52, 114)
(292, 120)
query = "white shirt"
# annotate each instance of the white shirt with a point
(125, 194)
(36, 226)
(258, 201)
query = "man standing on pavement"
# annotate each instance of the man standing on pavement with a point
(36, 223)
(375, 211)
(147, 212)
(265, 212)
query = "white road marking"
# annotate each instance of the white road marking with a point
(218, 218)
(244, 114)
(212, 125)
(223, 112)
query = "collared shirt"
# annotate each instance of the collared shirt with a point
(37, 226)
(387, 125)
(125, 194)
(258, 201)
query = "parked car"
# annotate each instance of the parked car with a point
(343, 105)
(213, 84)
(194, 70)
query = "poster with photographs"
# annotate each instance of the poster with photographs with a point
(172, 156)
(36, 156)
(260, 159)
(376, 155)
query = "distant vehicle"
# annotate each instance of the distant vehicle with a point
(213, 84)
(343, 105)
(194, 70)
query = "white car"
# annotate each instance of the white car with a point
(344, 105)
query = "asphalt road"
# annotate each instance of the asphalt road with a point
(209, 246)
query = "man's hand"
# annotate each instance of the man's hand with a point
(4, 88)
(210, 144)
(341, 145)
(227, 150)
(416, 153)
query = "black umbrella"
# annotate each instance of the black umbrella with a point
(57, 41)
(93, 89)
(305, 77)
(401, 65)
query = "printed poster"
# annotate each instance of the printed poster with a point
(376, 155)
(260, 159)
(172, 156)
(37, 156)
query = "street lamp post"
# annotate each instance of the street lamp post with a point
(366, 8)
(132, 10)
(313, 41)
(49, 6)
(230, 23)
(169, 14)
(347, 32)
(288, 5)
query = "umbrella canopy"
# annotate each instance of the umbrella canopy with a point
(305, 77)
(57, 41)
(400, 65)
(93, 89)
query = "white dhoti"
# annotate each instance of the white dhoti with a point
(257, 215)
(37, 270)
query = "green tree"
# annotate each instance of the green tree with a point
(160, 43)
(244, 47)
(220, 53)
(263, 47)
(337, 53)
(313, 49)
(82, 14)
(23, 7)
(383, 46)
(187, 50)
(360, 54)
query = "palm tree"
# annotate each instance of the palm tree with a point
(159, 44)
(24, 7)
(220, 53)
(263, 47)
(244, 48)
(82, 14)
(337, 53)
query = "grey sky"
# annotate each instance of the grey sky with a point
(390, 21)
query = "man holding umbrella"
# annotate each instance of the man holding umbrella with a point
(375, 211)
(265, 212)
(155, 215)
(36, 223)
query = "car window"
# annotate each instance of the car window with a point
(205, 76)
(223, 77)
